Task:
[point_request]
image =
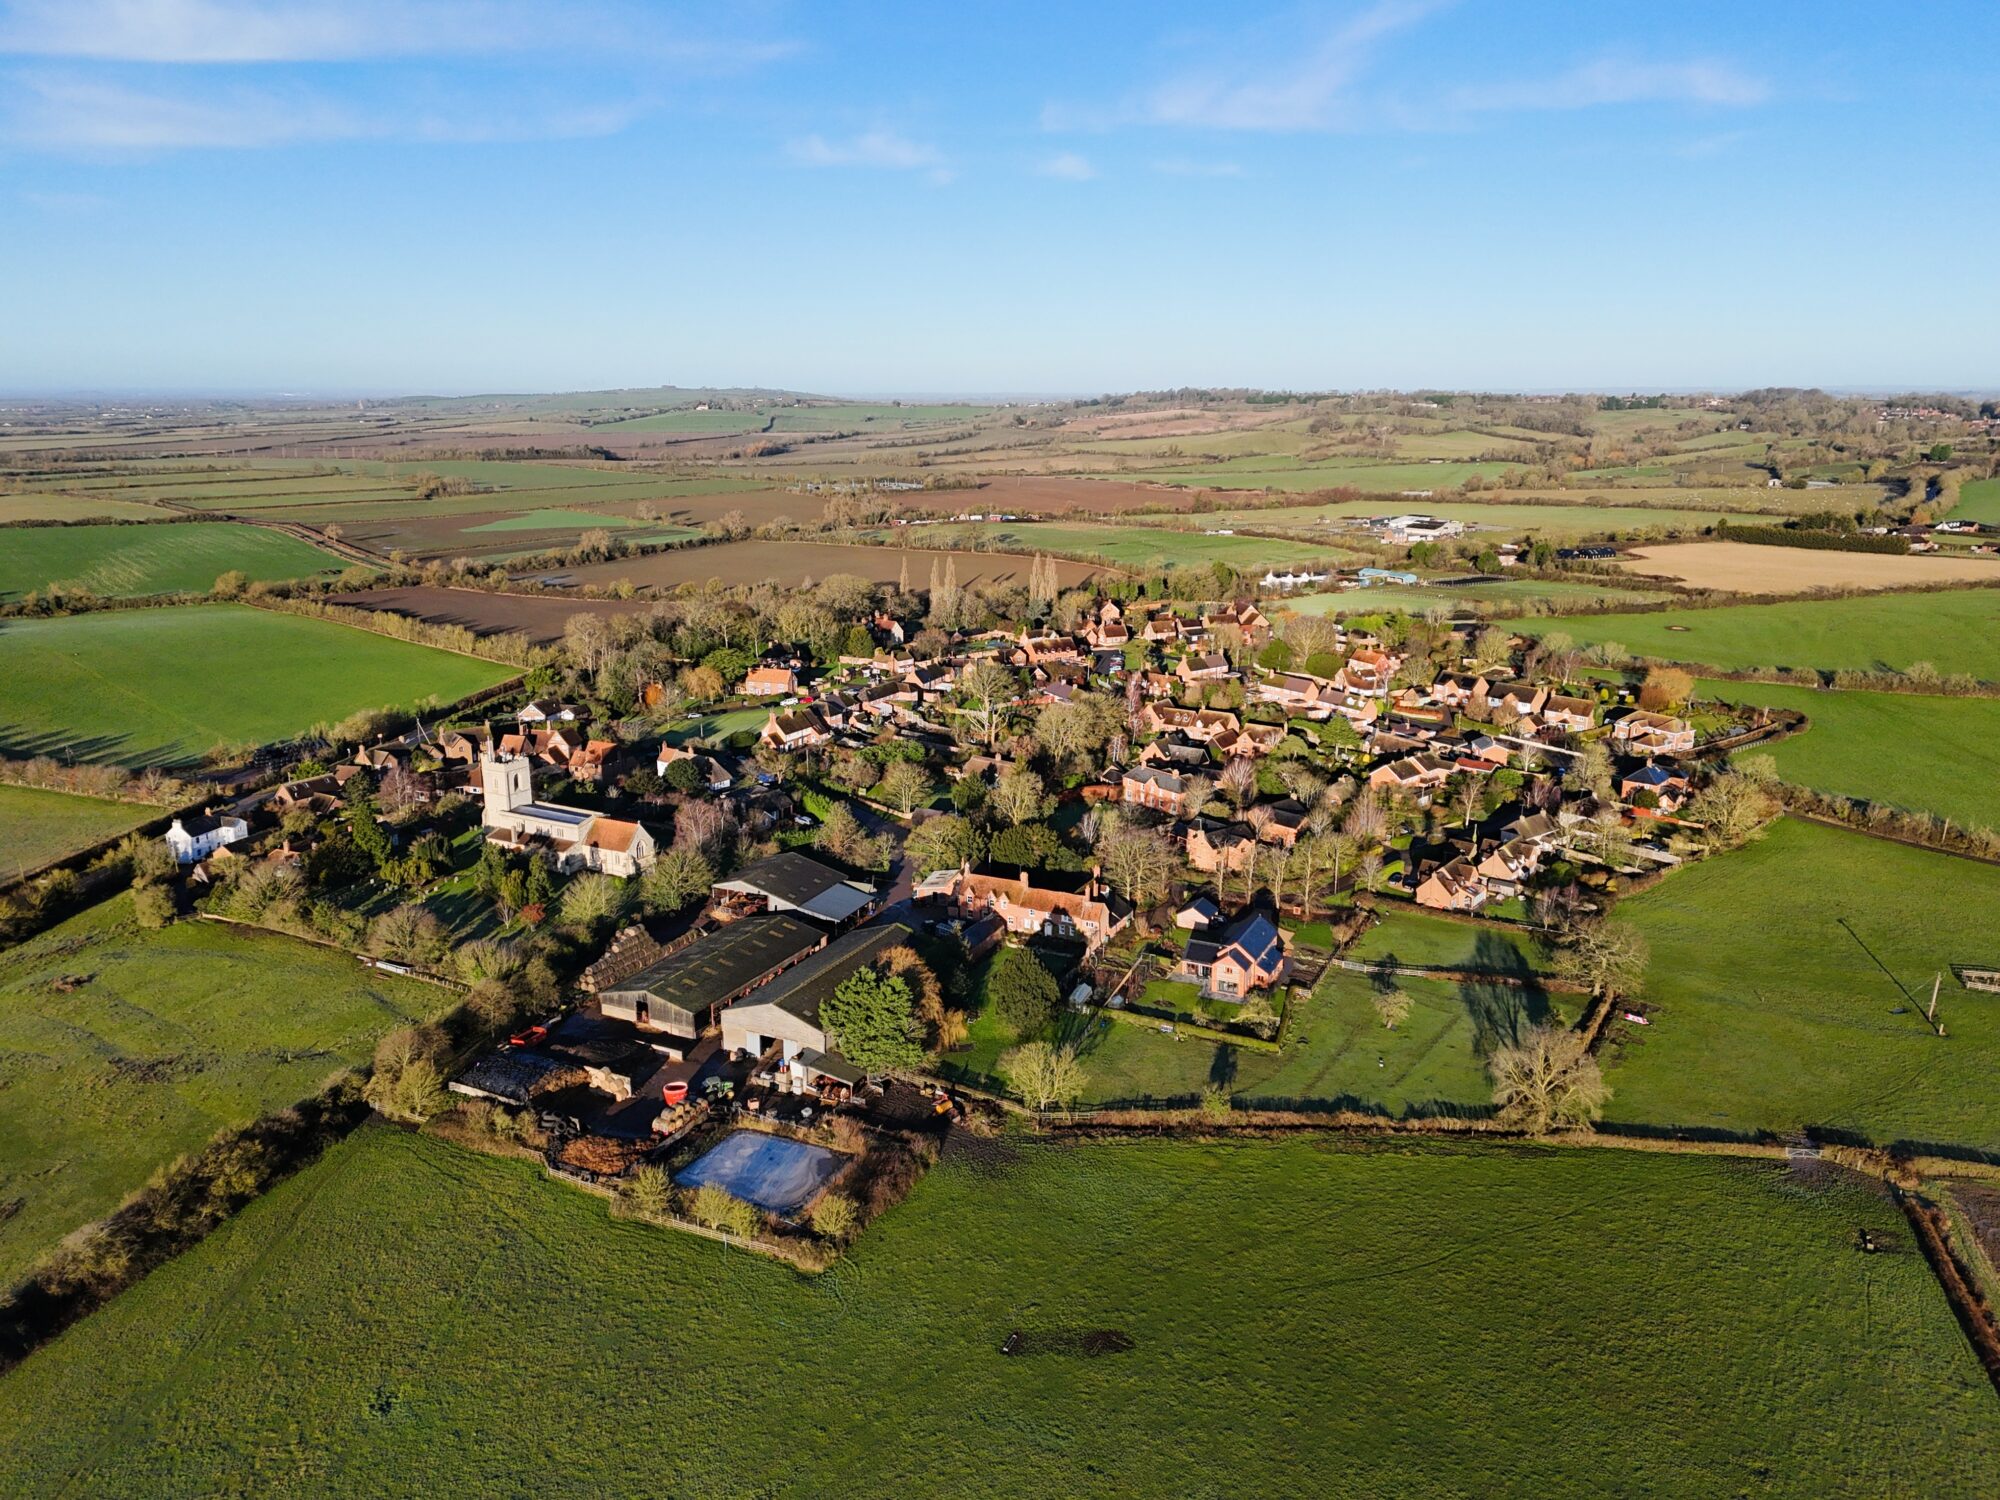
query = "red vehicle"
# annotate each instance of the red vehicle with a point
(676, 1092)
(534, 1036)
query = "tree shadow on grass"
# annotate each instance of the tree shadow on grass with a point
(1505, 998)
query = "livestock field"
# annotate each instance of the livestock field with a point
(1979, 500)
(1922, 754)
(1955, 631)
(1125, 544)
(792, 563)
(1411, 1321)
(125, 1048)
(1748, 568)
(1787, 986)
(161, 687)
(38, 826)
(131, 561)
(1450, 594)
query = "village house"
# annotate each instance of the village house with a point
(1508, 867)
(1667, 786)
(770, 682)
(1246, 957)
(795, 729)
(195, 836)
(1164, 626)
(1570, 715)
(1641, 733)
(714, 775)
(1216, 848)
(1454, 690)
(578, 838)
(1510, 700)
(1090, 915)
(1456, 886)
(1415, 773)
(1243, 615)
(1365, 675)
(1201, 724)
(1250, 740)
(548, 711)
(1150, 787)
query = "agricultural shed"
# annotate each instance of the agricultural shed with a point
(677, 993)
(792, 882)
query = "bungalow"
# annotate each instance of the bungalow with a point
(1247, 956)
(1641, 733)
(770, 682)
(797, 729)
(1203, 666)
(1453, 887)
(1087, 915)
(1289, 579)
(548, 710)
(1539, 829)
(1667, 786)
(1198, 915)
(1415, 773)
(1297, 693)
(1149, 787)
(316, 794)
(195, 836)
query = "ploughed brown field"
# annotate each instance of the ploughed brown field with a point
(1745, 567)
(792, 563)
(539, 617)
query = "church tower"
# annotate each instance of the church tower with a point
(505, 783)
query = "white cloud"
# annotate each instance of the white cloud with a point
(1173, 167)
(1306, 94)
(1067, 166)
(81, 114)
(882, 149)
(292, 31)
(1620, 81)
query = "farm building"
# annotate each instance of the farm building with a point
(679, 993)
(785, 1012)
(794, 882)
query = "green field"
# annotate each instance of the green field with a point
(1979, 500)
(1934, 755)
(1768, 1014)
(555, 520)
(1125, 546)
(1508, 591)
(175, 1034)
(834, 417)
(1305, 1319)
(719, 726)
(156, 687)
(38, 826)
(122, 562)
(1409, 935)
(1955, 630)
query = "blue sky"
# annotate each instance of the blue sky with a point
(474, 195)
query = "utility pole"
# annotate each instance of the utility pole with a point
(1931, 1014)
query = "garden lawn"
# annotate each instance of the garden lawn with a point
(403, 1317)
(37, 826)
(121, 562)
(157, 687)
(170, 1036)
(1922, 754)
(1955, 630)
(1769, 1015)
(1409, 935)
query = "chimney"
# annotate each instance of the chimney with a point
(1023, 878)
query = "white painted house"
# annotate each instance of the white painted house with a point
(199, 835)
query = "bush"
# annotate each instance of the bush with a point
(835, 1217)
(1215, 1105)
(718, 1209)
(647, 1192)
(153, 905)
(1022, 993)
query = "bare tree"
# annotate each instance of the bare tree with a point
(1239, 781)
(986, 697)
(1044, 1076)
(1547, 1081)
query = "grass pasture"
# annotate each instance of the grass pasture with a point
(1409, 1321)
(171, 1036)
(1955, 631)
(1786, 988)
(1922, 754)
(39, 506)
(38, 826)
(1555, 594)
(1978, 500)
(123, 562)
(159, 687)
